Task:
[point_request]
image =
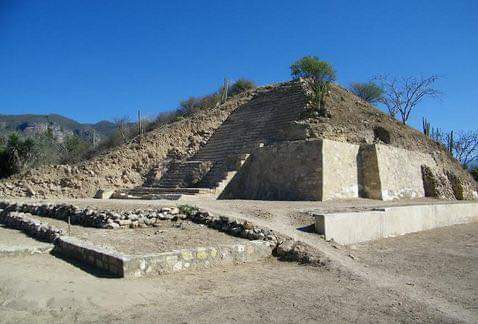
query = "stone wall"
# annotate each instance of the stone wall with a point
(339, 170)
(298, 170)
(400, 172)
(286, 171)
(329, 170)
(31, 227)
(134, 266)
(196, 258)
(368, 176)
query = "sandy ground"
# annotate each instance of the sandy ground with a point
(168, 236)
(424, 277)
(444, 261)
(42, 288)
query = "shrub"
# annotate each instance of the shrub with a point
(188, 210)
(18, 155)
(320, 72)
(369, 91)
(73, 149)
(188, 106)
(240, 86)
(192, 104)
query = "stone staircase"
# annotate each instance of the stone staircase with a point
(183, 174)
(259, 122)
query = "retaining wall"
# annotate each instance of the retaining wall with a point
(286, 171)
(329, 170)
(400, 172)
(298, 170)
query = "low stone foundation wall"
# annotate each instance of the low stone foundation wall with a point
(96, 218)
(143, 218)
(197, 258)
(264, 242)
(122, 265)
(29, 226)
(107, 260)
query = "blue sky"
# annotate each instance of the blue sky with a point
(94, 59)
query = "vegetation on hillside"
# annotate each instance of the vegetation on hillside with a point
(461, 145)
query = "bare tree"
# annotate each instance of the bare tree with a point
(402, 95)
(465, 147)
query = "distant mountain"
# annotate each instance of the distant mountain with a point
(60, 126)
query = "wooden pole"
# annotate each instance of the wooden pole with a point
(94, 138)
(139, 122)
(69, 226)
(225, 90)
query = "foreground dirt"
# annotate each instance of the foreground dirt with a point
(444, 262)
(42, 288)
(425, 277)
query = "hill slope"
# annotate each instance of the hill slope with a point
(61, 126)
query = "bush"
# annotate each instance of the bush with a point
(320, 72)
(312, 67)
(73, 149)
(19, 155)
(240, 86)
(369, 92)
(192, 104)
(188, 210)
(188, 106)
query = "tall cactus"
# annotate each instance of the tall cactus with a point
(426, 126)
(451, 143)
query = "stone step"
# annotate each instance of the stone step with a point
(159, 190)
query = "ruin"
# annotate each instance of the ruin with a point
(266, 144)
(264, 150)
